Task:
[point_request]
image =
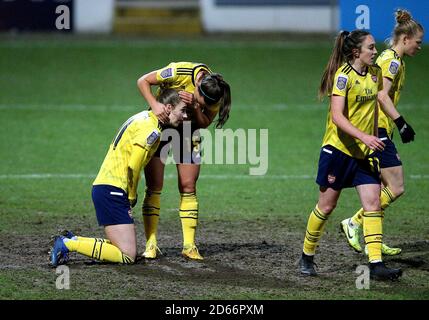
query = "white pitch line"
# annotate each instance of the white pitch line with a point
(174, 176)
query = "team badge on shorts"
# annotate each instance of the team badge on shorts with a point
(130, 213)
(331, 178)
(374, 78)
(152, 137)
(341, 82)
(393, 68)
(167, 73)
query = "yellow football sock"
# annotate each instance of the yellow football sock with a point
(386, 198)
(373, 233)
(97, 249)
(151, 207)
(314, 231)
(357, 219)
(189, 217)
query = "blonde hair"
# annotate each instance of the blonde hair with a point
(405, 24)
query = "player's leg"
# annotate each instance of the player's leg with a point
(393, 182)
(369, 195)
(333, 173)
(154, 176)
(69, 234)
(121, 247)
(114, 212)
(393, 188)
(328, 198)
(188, 174)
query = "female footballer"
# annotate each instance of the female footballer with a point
(352, 84)
(406, 40)
(207, 95)
(114, 190)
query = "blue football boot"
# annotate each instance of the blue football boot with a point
(59, 252)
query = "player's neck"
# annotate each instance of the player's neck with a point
(399, 50)
(359, 66)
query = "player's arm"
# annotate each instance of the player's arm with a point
(337, 113)
(144, 84)
(138, 159)
(203, 118)
(405, 130)
(385, 101)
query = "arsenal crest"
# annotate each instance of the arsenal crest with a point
(331, 178)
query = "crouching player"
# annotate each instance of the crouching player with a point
(114, 190)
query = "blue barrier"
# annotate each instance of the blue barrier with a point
(377, 16)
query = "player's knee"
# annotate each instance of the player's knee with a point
(372, 204)
(327, 208)
(188, 185)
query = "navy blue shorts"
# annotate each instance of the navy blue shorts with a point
(187, 148)
(338, 170)
(389, 157)
(111, 205)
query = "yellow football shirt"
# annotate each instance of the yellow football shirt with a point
(360, 91)
(181, 76)
(142, 129)
(392, 67)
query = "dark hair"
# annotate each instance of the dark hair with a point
(169, 96)
(214, 89)
(405, 24)
(344, 45)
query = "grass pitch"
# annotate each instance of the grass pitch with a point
(62, 101)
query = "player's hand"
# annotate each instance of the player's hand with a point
(186, 97)
(161, 112)
(133, 202)
(407, 133)
(373, 143)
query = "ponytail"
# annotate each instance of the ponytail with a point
(335, 61)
